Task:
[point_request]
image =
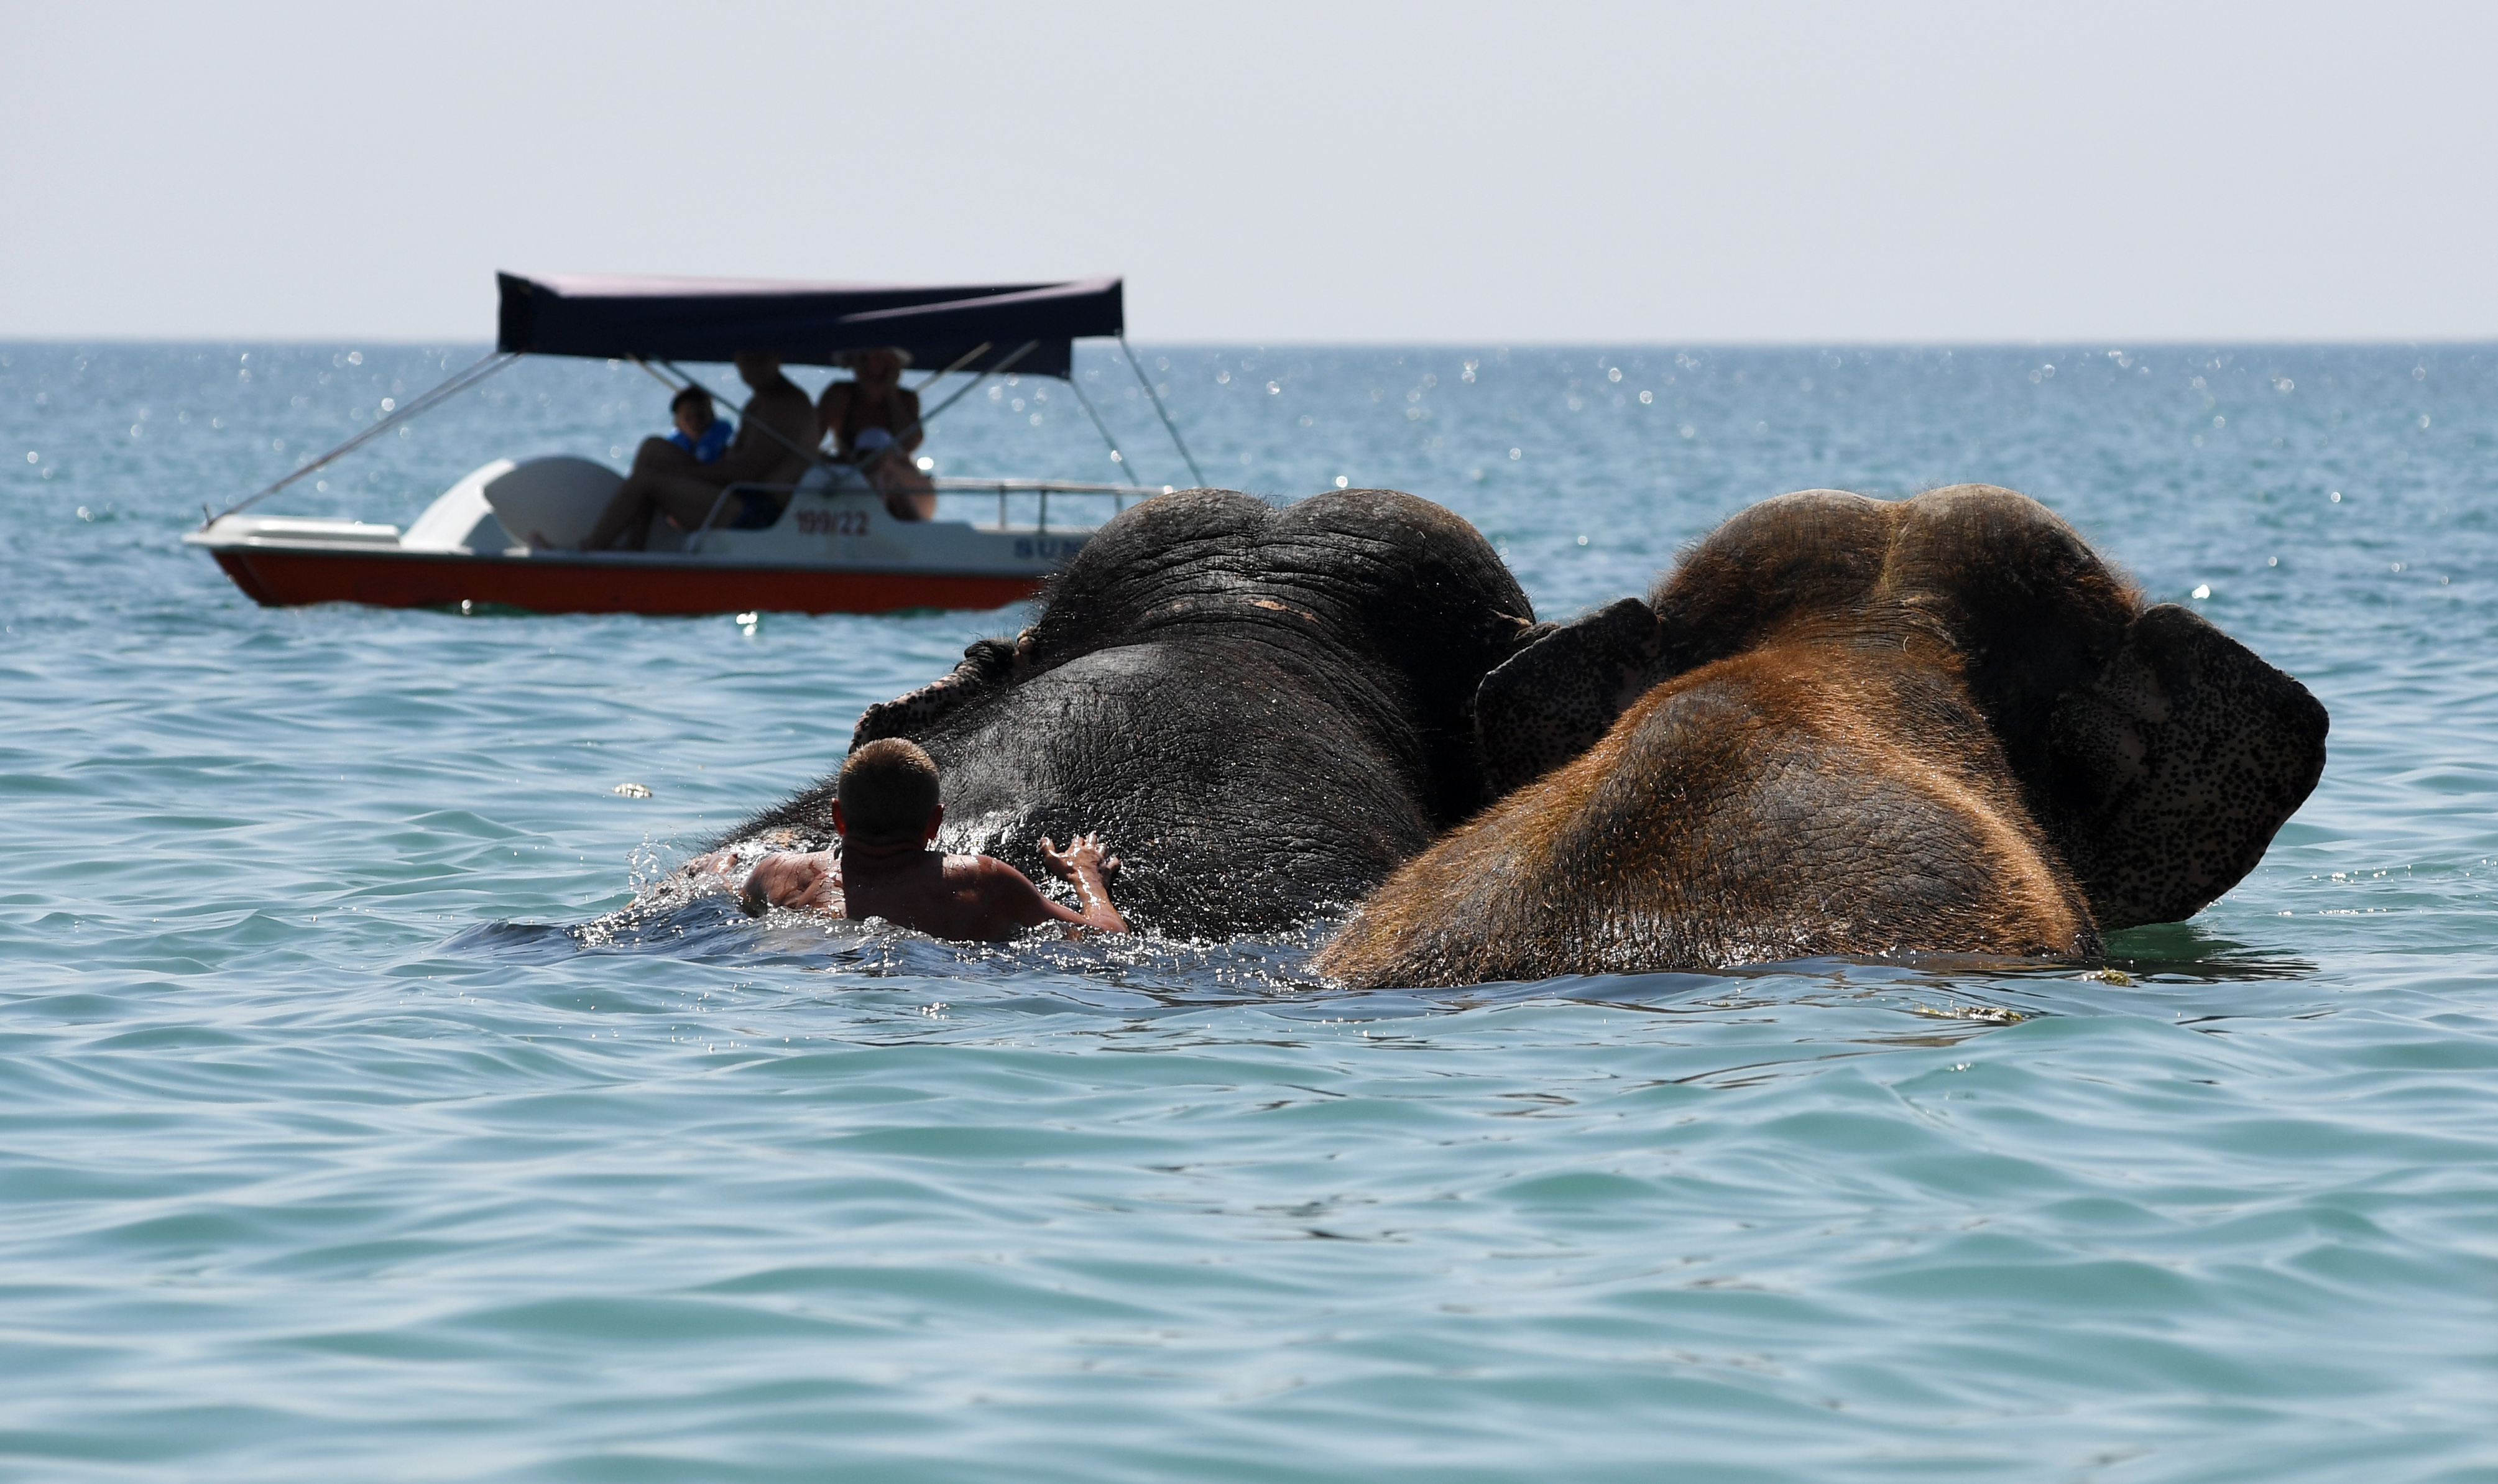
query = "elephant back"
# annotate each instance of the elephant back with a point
(1394, 602)
(1263, 710)
(1378, 572)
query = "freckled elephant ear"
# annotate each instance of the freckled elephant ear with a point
(2172, 770)
(1561, 694)
(985, 667)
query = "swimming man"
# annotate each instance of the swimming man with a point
(886, 812)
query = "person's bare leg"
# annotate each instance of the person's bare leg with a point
(686, 502)
(658, 456)
(627, 513)
(680, 498)
(908, 495)
(629, 509)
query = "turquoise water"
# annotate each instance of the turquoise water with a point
(336, 1147)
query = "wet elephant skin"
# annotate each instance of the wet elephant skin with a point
(1845, 725)
(1263, 711)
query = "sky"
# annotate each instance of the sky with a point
(1277, 172)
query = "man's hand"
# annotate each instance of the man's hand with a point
(788, 879)
(1082, 852)
(1090, 866)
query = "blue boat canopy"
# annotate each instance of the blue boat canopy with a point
(808, 324)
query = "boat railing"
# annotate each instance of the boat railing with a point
(1120, 493)
(1042, 489)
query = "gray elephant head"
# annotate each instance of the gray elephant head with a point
(1264, 710)
(1844, 724)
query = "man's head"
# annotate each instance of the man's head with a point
(887, 796)
(691, 410)
(758, 369)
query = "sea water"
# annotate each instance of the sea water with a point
(355, 1129)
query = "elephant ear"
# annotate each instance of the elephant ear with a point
(1553, 699)
(2173, 769)
(986, 666)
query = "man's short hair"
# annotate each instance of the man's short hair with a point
(888, 791)
(694, 395)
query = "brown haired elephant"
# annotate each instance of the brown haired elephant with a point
(1847, 726)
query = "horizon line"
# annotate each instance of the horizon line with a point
(2031, 343)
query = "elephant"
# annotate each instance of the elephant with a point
(1843, 725)
(1261, 710)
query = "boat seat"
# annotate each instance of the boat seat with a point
(551, 502)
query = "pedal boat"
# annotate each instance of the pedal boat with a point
(503, 537)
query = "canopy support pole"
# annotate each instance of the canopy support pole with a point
(459, 381)
(656, 377)
(925, 418)
(1101, 426)
(1147, 383)
(999, 370)
(961, 361)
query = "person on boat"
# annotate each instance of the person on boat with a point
(886, 812)
(668, 481)
(700, 430)
(874, 422)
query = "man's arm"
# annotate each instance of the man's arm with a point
(790, 879)
(1090, 866)
(906, 419)
(1011, 894)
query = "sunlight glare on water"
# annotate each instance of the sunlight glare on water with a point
(361, 1124)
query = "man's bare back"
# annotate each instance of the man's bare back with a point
(977, 898)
